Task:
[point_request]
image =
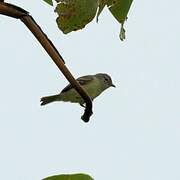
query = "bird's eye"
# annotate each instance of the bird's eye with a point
(106, 79)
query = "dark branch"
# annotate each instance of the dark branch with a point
(17, 12)
(12, 10)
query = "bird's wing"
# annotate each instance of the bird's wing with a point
(82, 81)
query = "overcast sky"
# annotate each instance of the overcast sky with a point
(134, 131)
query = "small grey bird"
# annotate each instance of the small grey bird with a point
(94, 85)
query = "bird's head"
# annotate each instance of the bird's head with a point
(106, 80)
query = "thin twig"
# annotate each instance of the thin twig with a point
(17, 12)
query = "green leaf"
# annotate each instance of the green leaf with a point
(120, 9)
(75, 14)
(70, 177)
(101, 5)
(50, 2)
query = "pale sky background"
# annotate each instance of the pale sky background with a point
(134, 133)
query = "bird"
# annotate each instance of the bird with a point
(94, 85)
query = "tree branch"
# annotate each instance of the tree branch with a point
(17, 12)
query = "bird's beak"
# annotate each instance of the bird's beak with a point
(113, 85)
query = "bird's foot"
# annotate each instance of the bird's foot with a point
(83, 105)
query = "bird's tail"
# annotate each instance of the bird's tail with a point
(48, 99)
